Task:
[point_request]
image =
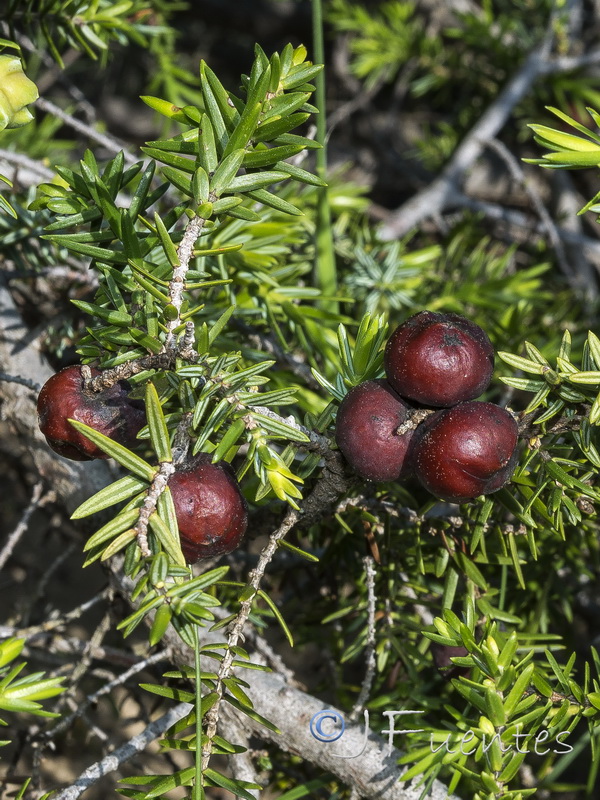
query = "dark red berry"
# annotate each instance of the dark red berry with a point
(367, 431)
(110, 412)
(459, 453)
(442, 653)
(439, 359)
(211, 511)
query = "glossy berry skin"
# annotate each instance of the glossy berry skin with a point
(462, 452)
(110, 412)
(365, 432)
(439, 359)
(211, 511)
(442, 653)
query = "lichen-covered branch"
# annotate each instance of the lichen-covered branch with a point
(157, 487)
(185, 251)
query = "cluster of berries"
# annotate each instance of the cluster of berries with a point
(458, 448)
(435, 361)
(211, 511)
